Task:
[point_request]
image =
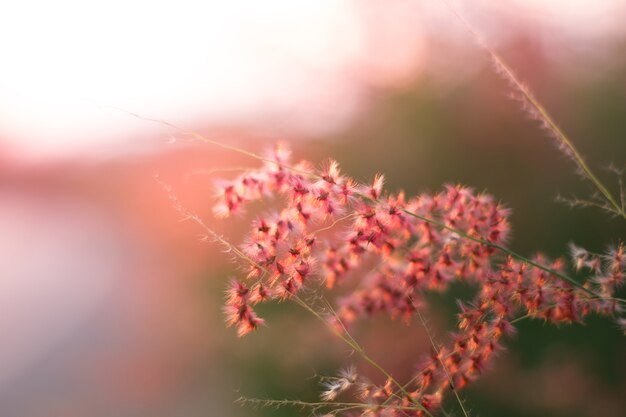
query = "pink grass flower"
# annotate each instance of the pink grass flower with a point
(331, 229)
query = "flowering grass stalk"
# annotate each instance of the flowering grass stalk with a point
(392, 249)
(453, 235)
(419, 244)
(604, 199)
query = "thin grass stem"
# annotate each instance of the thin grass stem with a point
(541, 113)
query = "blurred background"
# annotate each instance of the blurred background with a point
(111, 306)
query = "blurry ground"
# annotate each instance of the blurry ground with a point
(111, 306)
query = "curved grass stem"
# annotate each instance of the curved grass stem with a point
(539, 111)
